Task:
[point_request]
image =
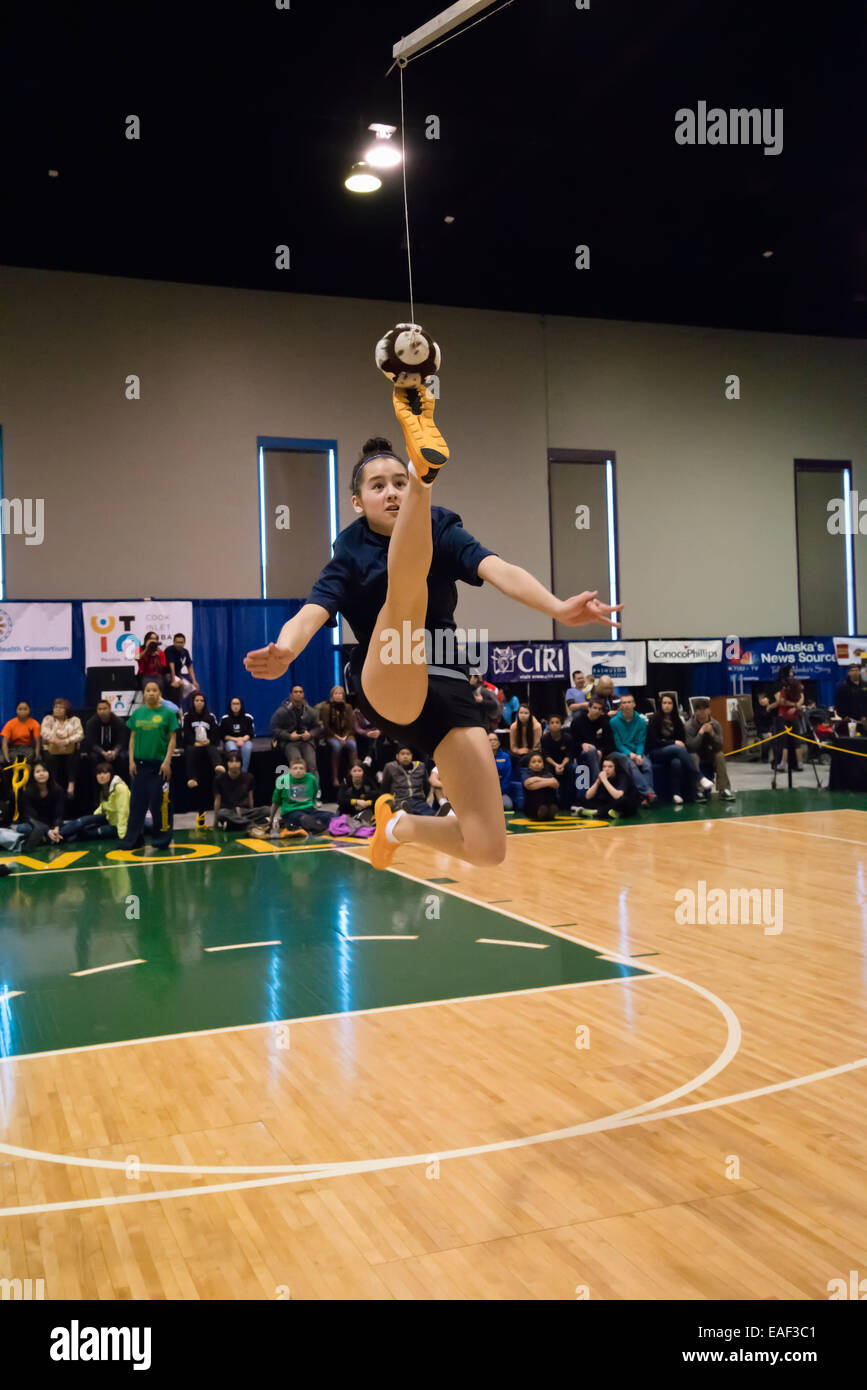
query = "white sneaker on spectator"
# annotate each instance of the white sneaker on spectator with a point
(678, 800)
(727, 795)
(706, 783)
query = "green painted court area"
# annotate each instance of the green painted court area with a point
(309, 903)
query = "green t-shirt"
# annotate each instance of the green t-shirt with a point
(292, 795)
(152, 728)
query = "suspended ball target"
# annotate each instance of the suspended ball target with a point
(408, 355)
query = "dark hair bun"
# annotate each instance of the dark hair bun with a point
(377, 445)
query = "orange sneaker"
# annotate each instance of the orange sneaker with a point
(414, 408)
(382, 851)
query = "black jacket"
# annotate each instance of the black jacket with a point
(850, 701)
(586, 730)
(190, 721)
(48, 810)
(291, 720)
(100, 738)
(346, 795)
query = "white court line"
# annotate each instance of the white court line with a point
(785, 830)
(380, 938)
(495, 941)
(623, 1121)
(242, 945)
(118, 965)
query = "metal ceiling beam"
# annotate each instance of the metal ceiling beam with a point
(437, 28)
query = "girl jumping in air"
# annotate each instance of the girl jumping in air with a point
(393, 575)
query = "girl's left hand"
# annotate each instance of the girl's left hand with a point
(586, 608)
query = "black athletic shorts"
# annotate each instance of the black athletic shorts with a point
(449, 705)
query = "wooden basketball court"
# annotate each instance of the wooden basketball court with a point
(302, 1079)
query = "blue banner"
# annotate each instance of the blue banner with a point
(812, 658)
(530, 661)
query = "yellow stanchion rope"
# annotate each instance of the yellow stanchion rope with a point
(829, 746)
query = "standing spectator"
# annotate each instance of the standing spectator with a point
(525, 736)
(153, 731)
(357, 793)
(233, 797)
(511, 705)
(151, 662)
(788, 704)
(490, 706)
(613, 793)
(294, 804)
(541, 792)
(106, 739)
(629, 731)
(558, 751)
(109, 820)
(591, 735)
(40, 808)
(295, 729)
(666, 744)
(338, 723)
(504, 770)
(237, 732)
(406, 780)
(850, 698)
(704, 740)
(179, 670)
(62, 735)
(21, 735)
(764, 719)
(201, 737)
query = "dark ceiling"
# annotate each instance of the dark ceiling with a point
(556, 128)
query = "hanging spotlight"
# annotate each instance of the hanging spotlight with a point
(360, 179)
(383, 155)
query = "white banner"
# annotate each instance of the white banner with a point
(684, 653)
(35, 631)
(113, 632)
(850, 650)
(624, 662)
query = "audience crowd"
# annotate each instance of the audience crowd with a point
(600, 757)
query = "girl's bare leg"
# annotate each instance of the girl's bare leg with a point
(476, 832)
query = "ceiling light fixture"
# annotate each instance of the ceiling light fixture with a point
(360, 179)
(383, 154)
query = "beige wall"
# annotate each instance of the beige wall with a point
(159, 496)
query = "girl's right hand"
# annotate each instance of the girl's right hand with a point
(268, 663)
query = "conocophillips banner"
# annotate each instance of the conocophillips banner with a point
(35, 632)
(684, 653)
(624, 662)
(113, 632)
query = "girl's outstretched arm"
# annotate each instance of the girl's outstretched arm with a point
(273, 661)
(517, 583)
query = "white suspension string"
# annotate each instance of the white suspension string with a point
(405, 202)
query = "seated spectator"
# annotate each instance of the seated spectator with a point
(603, 686)
(338, 725)
(406, 780)
(704, 740)
(503, 764)
(233, 797)
(629, 731)
(591, 735)
(294, 804)
(109, 820)
(850, 700)
(558, 751)
(613, 793)
(62, 735)
(40, 807)
(541, 792)
(374, 748)
(202, 751)
(357, 793)
(511, 705)
(577, 692)
(21, 735)
(151, 662)
(525, 737)
(237, 732)
(179, 671)
(106, 740)
(436, 797)
(295, 729)
(666, 744)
